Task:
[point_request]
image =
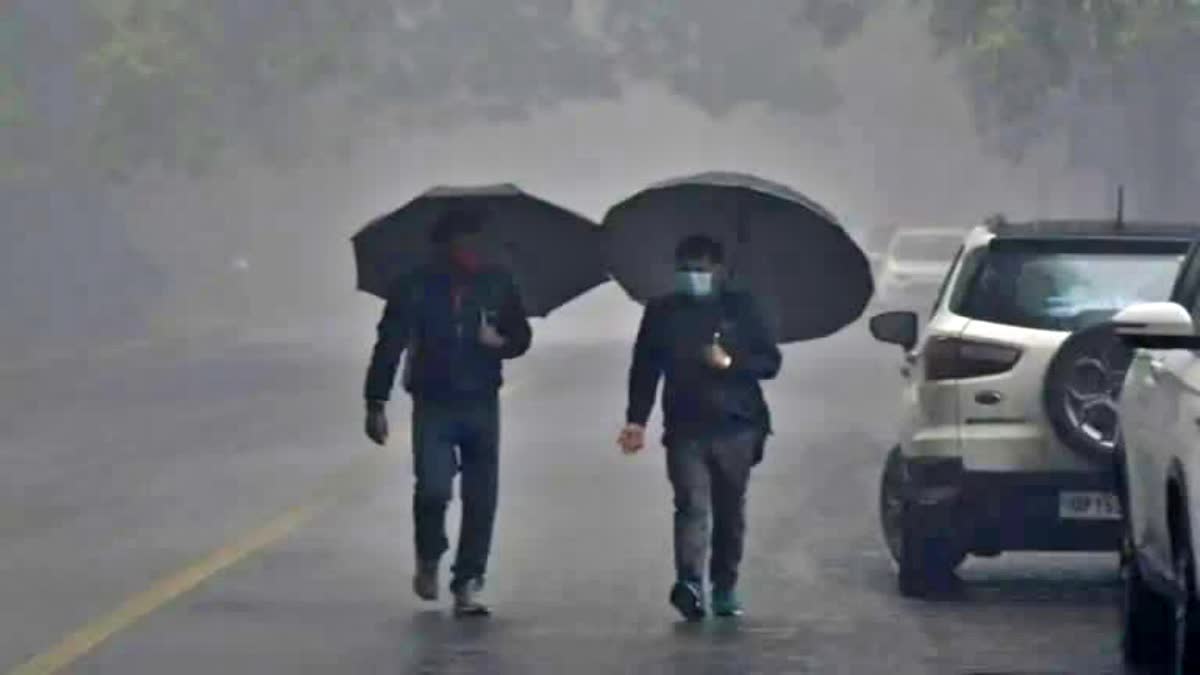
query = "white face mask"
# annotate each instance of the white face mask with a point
(695, 284)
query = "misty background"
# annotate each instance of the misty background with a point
(174, 169)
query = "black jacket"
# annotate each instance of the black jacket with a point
(446, 360)
(699, 400)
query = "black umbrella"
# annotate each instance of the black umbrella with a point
(554, 254)
(792, 253)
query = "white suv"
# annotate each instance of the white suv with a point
(1160, 418)
(1010, 432)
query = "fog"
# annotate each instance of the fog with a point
(869, 120)
(187, 485)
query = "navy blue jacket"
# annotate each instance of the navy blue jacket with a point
(446, 361)
(699, 400)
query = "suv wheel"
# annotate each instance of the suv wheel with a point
(1145, 615)
(1185, 628)
(891, 503)
(926, 559)
(1081, 390)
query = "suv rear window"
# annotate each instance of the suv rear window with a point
(1067, 286)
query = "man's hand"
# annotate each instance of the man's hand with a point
(716, 357)
(488, 335)
(632, 439)
(377, 425)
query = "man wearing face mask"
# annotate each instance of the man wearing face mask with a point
(458, 320)
(712, 347)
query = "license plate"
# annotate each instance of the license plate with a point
(1088, 506)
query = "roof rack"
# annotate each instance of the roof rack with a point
(1094, 229)
(999, 225)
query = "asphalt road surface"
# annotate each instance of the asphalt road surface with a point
(216, 510)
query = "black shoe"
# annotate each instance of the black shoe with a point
(466, 600)
(689, 600)
(425, 582)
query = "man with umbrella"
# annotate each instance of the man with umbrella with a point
(458, 320)
(711, 327)
(713, 346)
(461, 269)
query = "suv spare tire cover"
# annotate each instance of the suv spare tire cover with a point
(1082, 387)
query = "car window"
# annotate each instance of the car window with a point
(966, 276)
(1187, 289)
(941, 294)
(1064, 290)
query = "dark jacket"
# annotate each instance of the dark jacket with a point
(446, 361)
(699, 400)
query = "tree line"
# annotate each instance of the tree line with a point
(93, 92)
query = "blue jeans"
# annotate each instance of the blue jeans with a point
(449, 437)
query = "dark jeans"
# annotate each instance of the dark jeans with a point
(449, 437)
(710, 478)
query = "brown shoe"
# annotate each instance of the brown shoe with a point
(425, 582)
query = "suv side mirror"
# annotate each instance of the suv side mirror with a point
(897, 328)
(1157, 325)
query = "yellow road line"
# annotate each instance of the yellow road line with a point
(78, 644)
(168, 589)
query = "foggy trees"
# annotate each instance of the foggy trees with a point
(69, 274)
(721, 56)
(1121, 78)
(171, 83)
(175, 84)
(95, 92)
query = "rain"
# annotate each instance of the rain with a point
(186, 485)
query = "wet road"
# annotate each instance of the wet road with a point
(229, 495)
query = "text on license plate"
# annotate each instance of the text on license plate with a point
(1088, 506)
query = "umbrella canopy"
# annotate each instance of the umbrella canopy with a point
(792, 253)
(553, 254)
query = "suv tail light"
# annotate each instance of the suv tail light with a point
(957, 359)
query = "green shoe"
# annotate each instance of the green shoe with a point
(725, 602)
